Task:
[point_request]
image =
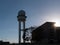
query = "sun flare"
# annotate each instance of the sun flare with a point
(57, 23)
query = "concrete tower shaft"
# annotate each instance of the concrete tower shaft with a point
(21, 18)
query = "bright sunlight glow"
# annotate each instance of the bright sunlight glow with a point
(57, 23)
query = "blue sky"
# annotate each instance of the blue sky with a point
(37, 12)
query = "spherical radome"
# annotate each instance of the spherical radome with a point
(21, 12)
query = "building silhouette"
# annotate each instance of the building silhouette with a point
(46, 33)
(4, 43)
(58, 34)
